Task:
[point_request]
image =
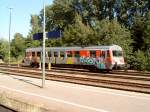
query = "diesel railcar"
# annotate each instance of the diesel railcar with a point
(92, 57)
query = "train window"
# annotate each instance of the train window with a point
(93, 54)
(62, 54)
(33, 54)
(69, 54)
(108, 53)
(55, 54)
(38, 54)
(117, 53)
(103, 54)
(77, 54)
(49, 54)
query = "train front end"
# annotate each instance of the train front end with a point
(117, 58)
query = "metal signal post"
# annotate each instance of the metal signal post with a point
(43, 49)
(9, 36)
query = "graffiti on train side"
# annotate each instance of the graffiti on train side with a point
(87, 60)
(99, 63)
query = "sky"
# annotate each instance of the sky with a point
(21, 15)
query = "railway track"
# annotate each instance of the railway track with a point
(121, 81)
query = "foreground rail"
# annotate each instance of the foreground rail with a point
(136, 83)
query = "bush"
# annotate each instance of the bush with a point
(139, 60)
(148, 59)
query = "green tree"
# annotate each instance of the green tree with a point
(4, 49)
(146, 32)
(35, 28)
(18, 46)
(98, 22)
(141, 33)
(111, 32)
(35, 24)
(137, 33)
(139, 61)
(58, 15)
(78, 34)
(147, 53)
(141, 44)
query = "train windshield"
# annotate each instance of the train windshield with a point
(117, 53)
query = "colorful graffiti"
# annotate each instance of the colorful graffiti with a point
(99, 63)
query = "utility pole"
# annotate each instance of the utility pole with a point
(10, 9)
(43, 57)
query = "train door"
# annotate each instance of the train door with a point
(55, 56)
(100, 63)
(92, 58)
(98, 54)
(51, 56)
(105, 59)
(103, 55)
(108, 60)
(46, 57)
(39, 56)
(76, 57)
(33, 56)
(62, 57)
(69, 57)
(33, 60)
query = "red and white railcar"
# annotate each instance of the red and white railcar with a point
(92, 57)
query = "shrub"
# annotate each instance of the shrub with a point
(139, 60)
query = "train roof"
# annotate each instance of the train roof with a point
(102, 47)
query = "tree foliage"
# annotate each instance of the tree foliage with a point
(94, 22)
(146, 32)
(111, 32)
(78, 34)
(4, 49)
(35, 28)
(137, 33)
(17, 45)
(139, 61)
(147, 54)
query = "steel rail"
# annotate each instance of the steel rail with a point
(86, 80)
